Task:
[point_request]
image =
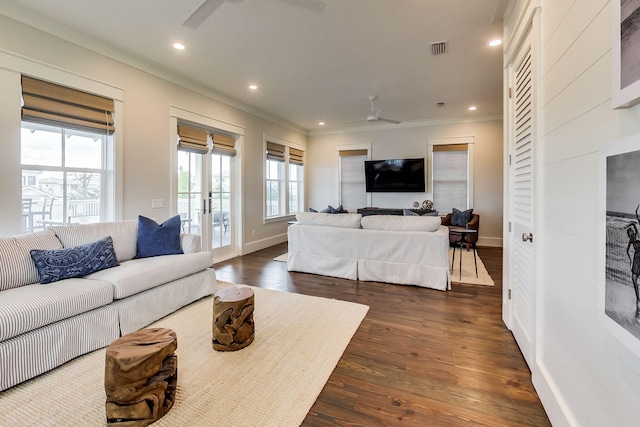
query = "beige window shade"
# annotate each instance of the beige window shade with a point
(296, 156)
(52, 104)
(275, 152)
(344, 153)
(223, 145)
(192, 140)
(451, 147)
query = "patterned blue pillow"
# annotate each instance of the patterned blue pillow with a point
(461, 218)
(54, 265)
(158, 239)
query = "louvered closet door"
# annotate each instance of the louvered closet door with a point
(522, 190)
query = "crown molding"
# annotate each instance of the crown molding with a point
(40, 23)
(409, 124)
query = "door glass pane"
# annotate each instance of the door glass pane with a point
(189, 191)
(221, 200)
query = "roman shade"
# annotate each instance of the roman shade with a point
(345, 153)
(451, 147)
(451, 177)
(296, 157)
(353, 193)
(275, 152)
(52, 104)
(192, 140)
(223, 145)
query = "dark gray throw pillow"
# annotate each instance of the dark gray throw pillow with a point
(58, 264)
(331, 210)
(461, 218)
(158, 239)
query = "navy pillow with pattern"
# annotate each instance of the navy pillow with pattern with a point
(55, 265)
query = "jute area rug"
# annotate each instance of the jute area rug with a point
(468, 268)
(272, 382)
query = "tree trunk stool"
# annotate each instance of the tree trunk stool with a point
(140, 376)
(232, 325)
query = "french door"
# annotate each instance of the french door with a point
(205, 202)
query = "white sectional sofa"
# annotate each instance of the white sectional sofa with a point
(45, 325)
(405, 250)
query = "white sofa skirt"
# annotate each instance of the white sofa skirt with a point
(403, 257)
(35, 352)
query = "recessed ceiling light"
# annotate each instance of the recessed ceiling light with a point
(178, 46)
(321, 123)
(496, 42)
(253, 87)
(473, 108)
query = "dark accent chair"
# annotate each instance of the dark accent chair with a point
(474, 224)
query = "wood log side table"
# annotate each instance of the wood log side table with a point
(232, 325)
(140, 377)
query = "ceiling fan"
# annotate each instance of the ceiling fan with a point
(206, 9)
(374, 116)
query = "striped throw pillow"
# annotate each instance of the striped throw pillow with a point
(18, 269)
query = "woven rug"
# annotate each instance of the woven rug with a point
(272, 382)
(468, 268)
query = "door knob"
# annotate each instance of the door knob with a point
(527, 236)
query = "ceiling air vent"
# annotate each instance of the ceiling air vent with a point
(441, 104)
(439, 48)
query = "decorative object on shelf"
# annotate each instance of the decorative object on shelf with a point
(416, 204)
(427, 204)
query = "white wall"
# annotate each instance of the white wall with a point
(580, 367)
(412, 142)
(144, 130)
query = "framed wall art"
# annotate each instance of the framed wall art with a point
(625, 53)
(619, 295)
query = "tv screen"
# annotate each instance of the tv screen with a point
(397, 175)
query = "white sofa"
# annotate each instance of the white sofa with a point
(405, 250)
(45, 325)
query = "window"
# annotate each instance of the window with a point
(284, 180)
(63, 173)
(352, 183)
(450, 175)
(65, 145)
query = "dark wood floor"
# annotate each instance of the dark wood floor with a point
(421, 357)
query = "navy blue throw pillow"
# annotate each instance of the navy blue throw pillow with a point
(158, 239)
(461, 218)
(54, 265)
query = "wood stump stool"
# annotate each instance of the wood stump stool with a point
(232, 326)
(140, 376)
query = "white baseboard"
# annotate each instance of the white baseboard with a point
(493, 242)
(263, 244)
(555, 407)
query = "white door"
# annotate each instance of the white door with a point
(193, 202)
(221, 206)
(519, 313)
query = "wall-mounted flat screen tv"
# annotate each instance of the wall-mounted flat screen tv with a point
(396, 175)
